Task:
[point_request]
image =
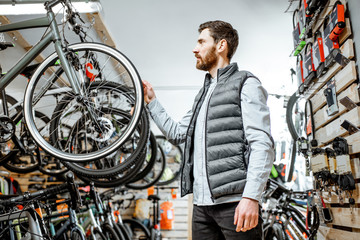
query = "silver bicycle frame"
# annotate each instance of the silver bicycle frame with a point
(52, 36)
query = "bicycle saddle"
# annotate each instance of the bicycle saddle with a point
(154, 197)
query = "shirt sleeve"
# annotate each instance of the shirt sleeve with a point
(175, 132)
(256, 120)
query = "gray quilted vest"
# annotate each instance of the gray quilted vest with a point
(226, 147)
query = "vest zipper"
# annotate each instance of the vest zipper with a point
(206, 117)
(187, 132)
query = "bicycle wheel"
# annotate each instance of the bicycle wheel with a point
(6, 148)
(51, 166)
(273, 233)
(97, 235)
(294, 134)
(174, 158)
(125, 231)
(92, 63)
(109, 232)
(28, 161)
(117, 164)
(151, 153)
(118, 231)
(116, 180)
(138, 229)
(154, 175)
(77, 234)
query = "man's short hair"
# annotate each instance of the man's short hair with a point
(222, 30)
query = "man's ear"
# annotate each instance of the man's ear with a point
(222, 46)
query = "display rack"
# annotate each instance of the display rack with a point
(346, 217)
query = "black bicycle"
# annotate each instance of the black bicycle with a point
(284, 217)
(29, 222)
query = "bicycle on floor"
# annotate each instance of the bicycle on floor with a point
(29, 223)
(285, 215)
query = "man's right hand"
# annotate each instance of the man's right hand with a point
(149, 93)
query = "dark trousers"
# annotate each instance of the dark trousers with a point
(217, 223)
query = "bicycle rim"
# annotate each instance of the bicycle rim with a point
(137, 227)
(151, 153)
(118, 164)
(154, 175)
(174, 157)
(93, 63)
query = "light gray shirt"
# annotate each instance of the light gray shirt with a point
(256, 120)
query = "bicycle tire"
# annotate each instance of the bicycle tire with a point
(118, 166)
(290, 166)
(156, 173)
(295, 136)
(115, 181)
(98, 235)
(118, 231)
(13, 110)
(77, 234)
(125, 231)
(110, 232)
(174, 157)
(274, 233)
(136, 224)
(80, 53)
(148, 164)
(20, 164)
(289, 109)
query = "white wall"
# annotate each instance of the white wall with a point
(159, 35)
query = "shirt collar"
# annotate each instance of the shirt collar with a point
(213, 80)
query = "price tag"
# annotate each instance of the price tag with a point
(343, 164)
(319, 163)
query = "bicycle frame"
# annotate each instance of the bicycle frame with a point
(52, 36)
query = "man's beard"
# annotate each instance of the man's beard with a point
(209, 60)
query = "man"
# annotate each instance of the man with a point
(228, 147)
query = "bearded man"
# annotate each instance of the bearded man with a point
(229, 150)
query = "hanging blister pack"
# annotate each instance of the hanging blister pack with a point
(334, 24)
(300, 73)
(346, 180)
(318, 54)
(332, 166)
(337, 21)
(309, 124)
(331, 48)
(303, 148)
(313, 5)
(326, 213)
(320, 166)
(306, 16)
(299, 29)
(309, 69)
(331, 101)
(296, 27)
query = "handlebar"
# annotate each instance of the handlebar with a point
(51, 4)
(69, 186)
(29, 196)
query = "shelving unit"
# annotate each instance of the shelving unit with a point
(345, 224)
